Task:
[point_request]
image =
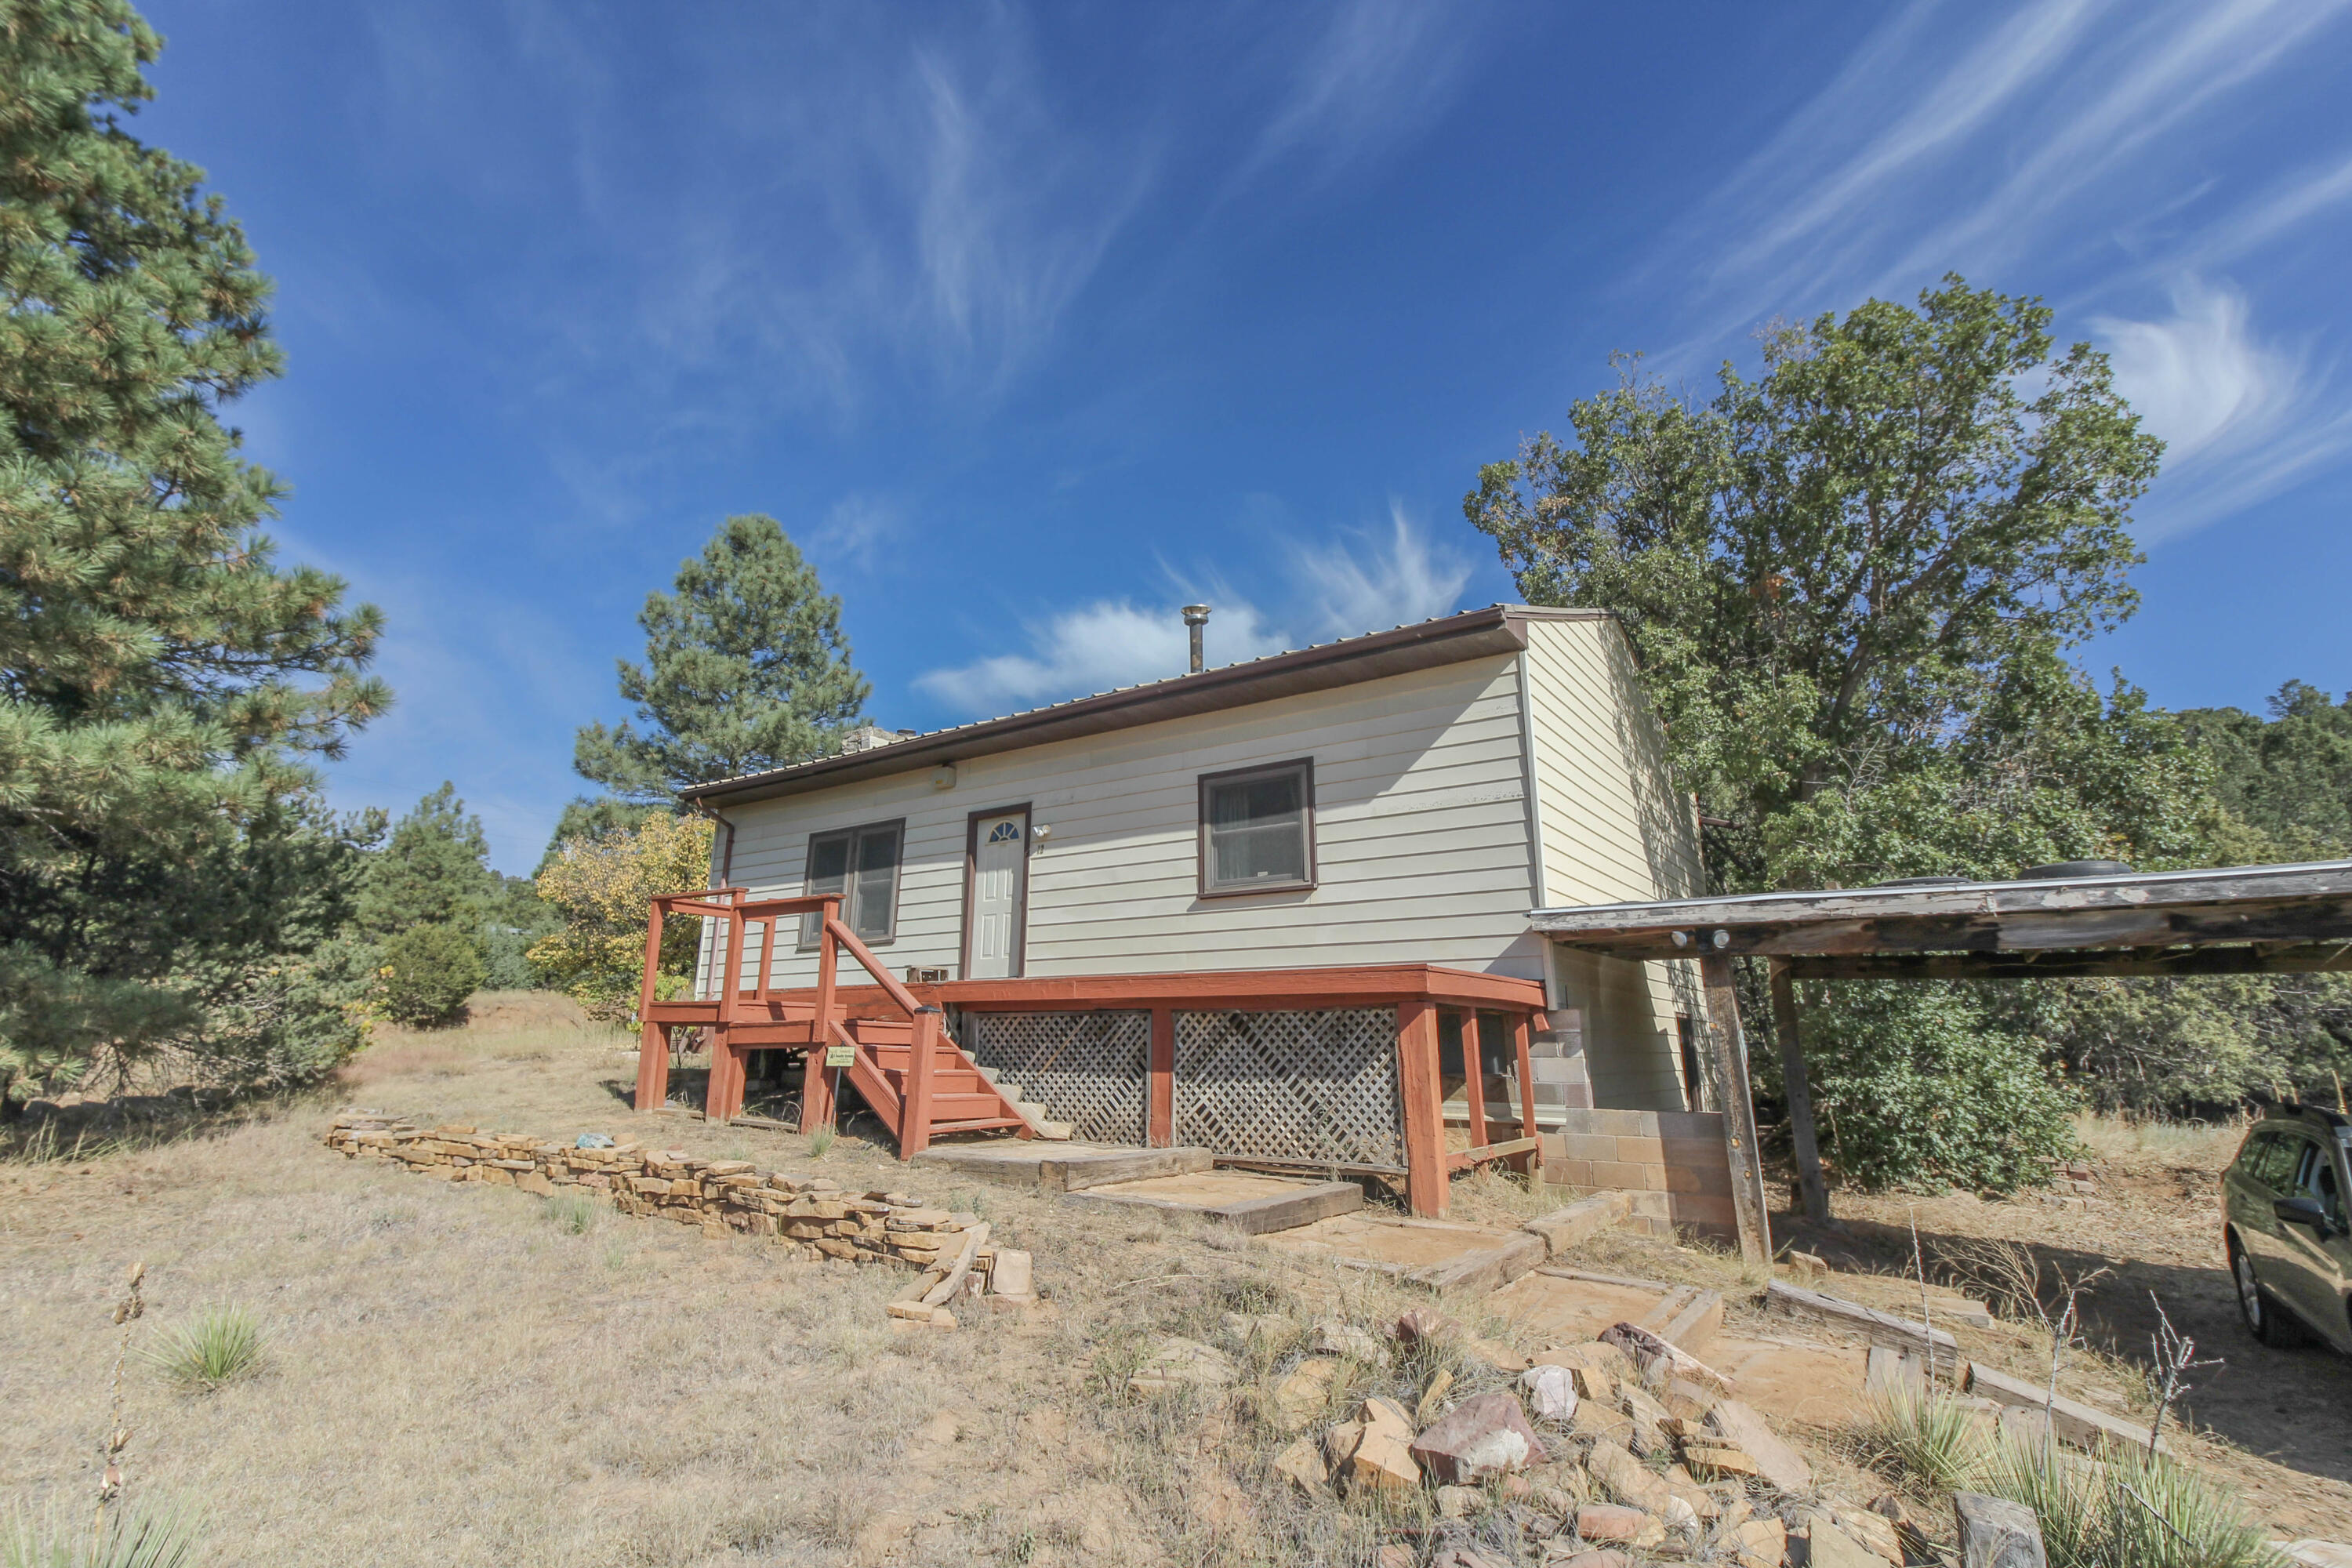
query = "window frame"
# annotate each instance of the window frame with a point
(855, 834)
(1207, 783)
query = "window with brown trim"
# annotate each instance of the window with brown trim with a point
(1257, 829)
(860, 867)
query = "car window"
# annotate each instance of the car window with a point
(2266, 1160)
(2315, 1177)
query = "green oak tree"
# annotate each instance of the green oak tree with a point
(162, 677)
(746, 668)
(1850, 583)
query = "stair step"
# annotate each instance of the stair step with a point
(980, 1124)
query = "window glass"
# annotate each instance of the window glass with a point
(2266, 1160)
(1258, 830)
(870, 902)
(2324, 1186)
(860, 865)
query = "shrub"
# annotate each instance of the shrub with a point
(1916, 1086)
(135, 1535)
(223, 1345)
(602, 886)
(429, 971)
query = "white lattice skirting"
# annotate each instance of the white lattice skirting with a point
(1089, 1069)
(1311, 1088)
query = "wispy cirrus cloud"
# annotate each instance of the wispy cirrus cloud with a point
(2054, 136)
(2242, 418)
(1374, 74)
(1357, 582)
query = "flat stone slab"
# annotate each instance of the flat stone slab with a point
(1437, 1253)
(1256, 1204)
(1057, 1166)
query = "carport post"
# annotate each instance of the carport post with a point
(1739, 1109)
(1799, 1092)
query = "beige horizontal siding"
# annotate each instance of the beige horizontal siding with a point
(1614, 828)
(1421, 837)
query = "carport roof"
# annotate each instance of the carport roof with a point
(2233, 920)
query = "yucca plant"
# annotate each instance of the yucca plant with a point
(1934, 1441)
(574, 1213)
(221, 1345)
(130, 1536)
(2128, 1509)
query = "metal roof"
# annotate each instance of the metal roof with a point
(1443, 639)
(2298, 916)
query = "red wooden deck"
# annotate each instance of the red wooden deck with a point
(919, 1092)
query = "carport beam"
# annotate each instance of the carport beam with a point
(1798, 1090)
(1739, 1109)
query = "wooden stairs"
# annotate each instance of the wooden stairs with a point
(909, 1069)
(964, 1096)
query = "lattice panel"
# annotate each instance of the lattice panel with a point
(1088, 1069)
(1315, 1089)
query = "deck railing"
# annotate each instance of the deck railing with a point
(740, 917)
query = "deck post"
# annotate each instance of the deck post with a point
(652, 1066)
(1473, 1075)
(817, 1108)
(915, 1102)
(1798, 1086)
(1730, 1051)
(723, 1096)
(1161, 1132)
(652, 1046)
(1426, 1183)
(1522, 1033)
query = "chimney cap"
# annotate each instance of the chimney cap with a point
(1195, 614)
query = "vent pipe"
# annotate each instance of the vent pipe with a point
(1196, 616)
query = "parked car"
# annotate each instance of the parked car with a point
(2283, 1219)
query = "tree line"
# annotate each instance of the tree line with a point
(1856, 584)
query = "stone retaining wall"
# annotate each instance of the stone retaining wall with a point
(814, 1218)
(1673, 1161)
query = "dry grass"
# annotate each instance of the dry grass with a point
(2173, 1145)
(458, 1377)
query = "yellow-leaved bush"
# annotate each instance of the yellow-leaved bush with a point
(605, 886)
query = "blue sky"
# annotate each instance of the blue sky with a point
(1032, 324)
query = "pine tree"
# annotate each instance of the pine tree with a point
(434, 870)
(746, 668)
(162, 677)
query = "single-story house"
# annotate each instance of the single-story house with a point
(1279, 908)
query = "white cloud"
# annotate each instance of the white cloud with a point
(1377, 73)
(1096, 647)
(856, 527)
(2241, 418)
(1342, 587)
(1371, 587)
(1972, 139)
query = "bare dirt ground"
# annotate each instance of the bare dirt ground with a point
(454, 1379)
(2276, 1423)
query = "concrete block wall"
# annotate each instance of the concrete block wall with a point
(1556, 1059)
(1673, 1161)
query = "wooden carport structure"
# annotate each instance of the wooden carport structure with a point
(2245, 920)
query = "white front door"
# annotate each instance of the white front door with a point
(1000, 887)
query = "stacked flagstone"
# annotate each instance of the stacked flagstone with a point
(814, 1217)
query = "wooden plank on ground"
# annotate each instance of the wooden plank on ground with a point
(2072, 1420)
(1877, 1327)
(1076, 1172)
(1580, 1221)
